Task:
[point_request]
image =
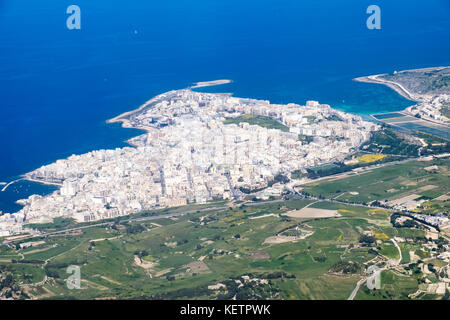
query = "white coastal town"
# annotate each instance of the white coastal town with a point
(197, 147)
(431, 107)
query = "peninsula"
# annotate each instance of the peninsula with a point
(198, 147)
(429, 87)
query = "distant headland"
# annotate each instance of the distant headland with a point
(414, 83)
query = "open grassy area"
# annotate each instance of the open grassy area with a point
(393, 286)
(389, 250)
(261, 121)
(179, 257)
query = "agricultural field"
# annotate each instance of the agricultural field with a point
(369, 158)
(318, 257)
(415, 180)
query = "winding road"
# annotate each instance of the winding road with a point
(396, 263)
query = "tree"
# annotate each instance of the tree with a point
(170, 278)
(365, 239)
(7, 282)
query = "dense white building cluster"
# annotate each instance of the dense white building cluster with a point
(191, 154)
(431, 108)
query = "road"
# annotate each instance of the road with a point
(361, 170)
(12, 182)
(355, 291)
(387, 267)
(162, 216)
(397, 262)
(233, 190)
(176, 214)
(290, 187)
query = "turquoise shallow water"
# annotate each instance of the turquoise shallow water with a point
(57, 87)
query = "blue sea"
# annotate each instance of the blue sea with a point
(58, 86)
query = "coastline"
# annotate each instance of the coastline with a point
(123, 118)
(194, 109)
(26, 178)
(410, 120)
(126, 123)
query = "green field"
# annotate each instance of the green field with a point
(389, 183)
(394, 286)
(182, 256)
